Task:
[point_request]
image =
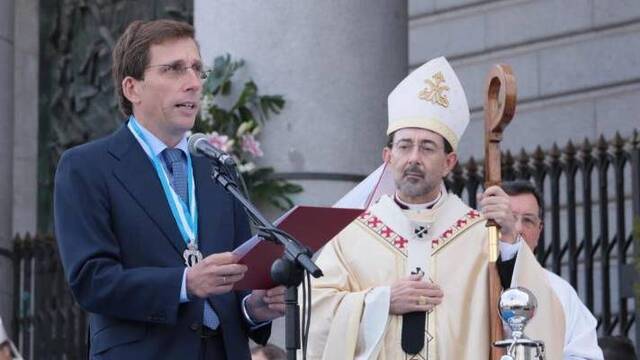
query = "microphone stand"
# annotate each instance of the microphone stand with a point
(287, 270)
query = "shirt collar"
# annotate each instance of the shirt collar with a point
(406, 206)
(157, 146)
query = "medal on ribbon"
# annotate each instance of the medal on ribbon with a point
(192, 255)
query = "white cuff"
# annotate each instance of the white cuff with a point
(184, 297)
(252, 324)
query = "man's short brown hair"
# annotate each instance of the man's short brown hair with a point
(130, 56)
(524, 187)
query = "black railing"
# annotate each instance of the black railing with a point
(587, 239)
(591, 195)
(49, 324)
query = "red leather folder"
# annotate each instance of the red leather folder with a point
(312, 226)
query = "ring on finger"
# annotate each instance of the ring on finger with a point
(422, 300)
(224, 279)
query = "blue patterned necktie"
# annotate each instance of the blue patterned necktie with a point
(176, 165)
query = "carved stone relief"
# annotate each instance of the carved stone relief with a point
(77, 101)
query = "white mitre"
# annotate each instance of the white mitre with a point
(431, 98)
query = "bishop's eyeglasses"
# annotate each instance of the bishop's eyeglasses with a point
(424, 147)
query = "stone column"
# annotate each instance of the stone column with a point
(334, 62)
(6, 156)
(25, 128)
(19, 44)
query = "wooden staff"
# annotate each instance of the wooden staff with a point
(499, 108)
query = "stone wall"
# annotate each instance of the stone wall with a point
(577, 63)
(334, 63)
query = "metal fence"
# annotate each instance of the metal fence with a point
(48, 324)
(591, 192)
(591, 195)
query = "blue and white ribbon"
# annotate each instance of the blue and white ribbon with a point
(186, 217)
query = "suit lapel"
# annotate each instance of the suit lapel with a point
(214, 212)
(136, 174)
(212, 200)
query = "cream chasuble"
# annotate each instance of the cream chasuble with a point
(350, 304)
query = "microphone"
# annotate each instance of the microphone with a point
(199, 146)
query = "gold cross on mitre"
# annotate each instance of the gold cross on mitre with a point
(434, 92)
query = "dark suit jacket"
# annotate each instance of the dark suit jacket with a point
(122, 253)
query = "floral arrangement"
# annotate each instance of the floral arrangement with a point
(235, 129)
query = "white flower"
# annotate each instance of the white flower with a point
(205, 106)
(246, 167)
(243, 128)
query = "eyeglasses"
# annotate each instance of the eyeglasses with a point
(179, 69)
(425, 147)
(528, 221)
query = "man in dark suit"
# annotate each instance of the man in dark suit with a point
(134, 212)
